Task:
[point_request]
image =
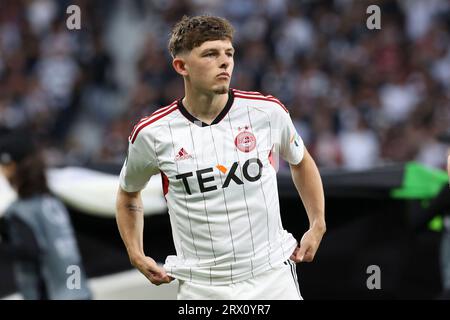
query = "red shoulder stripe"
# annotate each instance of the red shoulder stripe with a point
(163, 108)
(151, 120)
(248, 92)
(153, 114)
(274, 98)
(264, 98)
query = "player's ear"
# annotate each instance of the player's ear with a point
(179, 64)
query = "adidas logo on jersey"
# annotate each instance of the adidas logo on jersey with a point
(182, 155)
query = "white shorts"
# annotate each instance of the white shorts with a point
(279, 283)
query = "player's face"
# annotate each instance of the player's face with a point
(210, 66)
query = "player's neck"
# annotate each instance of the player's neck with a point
(204, 106)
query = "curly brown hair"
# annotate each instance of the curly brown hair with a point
(191, 32)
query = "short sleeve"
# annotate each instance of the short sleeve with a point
(288, 142)
(139, 165)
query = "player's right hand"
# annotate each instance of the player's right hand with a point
(152, 271)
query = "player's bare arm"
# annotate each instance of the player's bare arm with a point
(130, 220)
(307, 180)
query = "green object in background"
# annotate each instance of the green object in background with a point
(436, 224)
(420, 182)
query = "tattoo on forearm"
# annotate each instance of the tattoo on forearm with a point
(134, 208)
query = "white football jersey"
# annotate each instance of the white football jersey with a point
(220, 184)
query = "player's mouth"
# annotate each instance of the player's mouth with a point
(223, 75)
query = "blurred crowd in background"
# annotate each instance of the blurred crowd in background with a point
(359, 98)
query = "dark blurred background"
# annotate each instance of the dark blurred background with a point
(383, 93)
(361, 99)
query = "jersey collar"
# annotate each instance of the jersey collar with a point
(219, 117)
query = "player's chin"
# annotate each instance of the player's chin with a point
(221, 89)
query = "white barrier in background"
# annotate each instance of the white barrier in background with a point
(7, 195)
(90, 191)
(127, 285)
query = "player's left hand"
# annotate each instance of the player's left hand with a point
(308, 246)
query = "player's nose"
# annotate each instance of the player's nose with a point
(225, 61)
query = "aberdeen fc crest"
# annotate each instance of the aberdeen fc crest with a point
(245, 141)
